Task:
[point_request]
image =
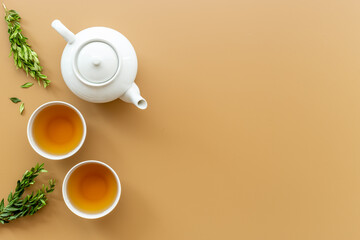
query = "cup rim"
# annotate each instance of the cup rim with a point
(33, 142)
(79, 212)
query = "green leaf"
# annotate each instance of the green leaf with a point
(6, 214)
(13, 201)
(2, 205)
(10, 197)
(12, 209)
(26, 55)
(27, 85)
(15, 100)
(22, 107)
(18, 215)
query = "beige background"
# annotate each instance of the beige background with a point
(252, 130)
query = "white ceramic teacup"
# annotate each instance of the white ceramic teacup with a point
(35, 146)
(82, 213)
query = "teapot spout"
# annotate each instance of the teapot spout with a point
(63, 31)
(132, 95)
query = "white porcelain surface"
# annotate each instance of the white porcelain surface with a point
(97, 62)
(99, 65)
(84, 214)
(33, 142)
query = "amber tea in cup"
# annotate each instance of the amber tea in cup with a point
(91, 189)
(56, 130)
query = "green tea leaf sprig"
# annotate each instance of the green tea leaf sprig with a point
(19, 207)
(24, 56)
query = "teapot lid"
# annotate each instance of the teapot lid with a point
(96, 63)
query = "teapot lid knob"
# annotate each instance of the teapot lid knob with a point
(96, 61)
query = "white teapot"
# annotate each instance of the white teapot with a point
(99, 65)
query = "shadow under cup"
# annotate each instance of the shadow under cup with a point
(56, 130)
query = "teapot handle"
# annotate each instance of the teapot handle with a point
(63, 31)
